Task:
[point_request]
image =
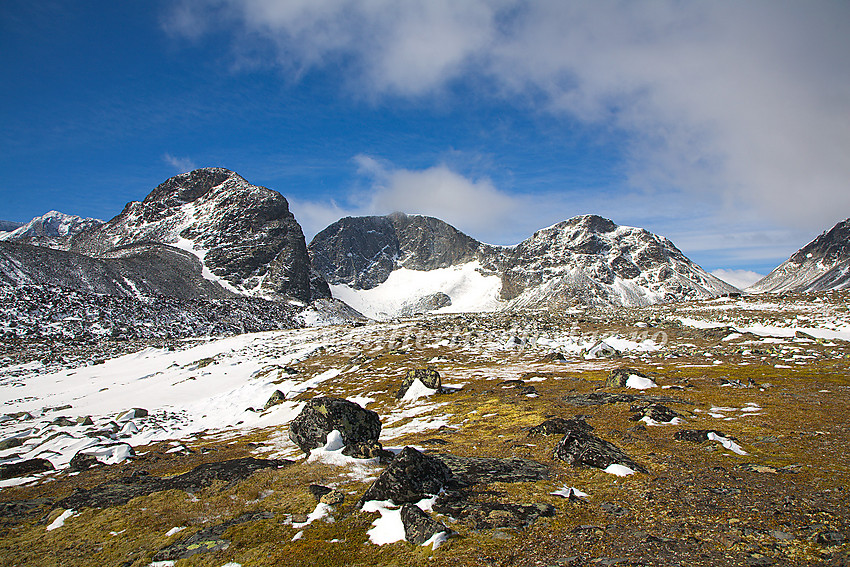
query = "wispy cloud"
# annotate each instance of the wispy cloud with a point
(746, 102)
(739, 278)
(181, 164)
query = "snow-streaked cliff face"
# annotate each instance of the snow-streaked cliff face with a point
(52, 230)
(383, 265)
(244, 235)
(822, 264)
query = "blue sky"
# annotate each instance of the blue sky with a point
(723, 126)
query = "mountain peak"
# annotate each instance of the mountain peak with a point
(52, 230)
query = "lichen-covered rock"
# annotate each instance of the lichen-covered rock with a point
(81, 462)
(559, 426)
(322, 415)
(580, 448)
(276, 398)
(410, 477)
(419, 527)
(367, 450)
(655, 412)
(467, 471)
(619, 377)
(429, 377)
(489, 515)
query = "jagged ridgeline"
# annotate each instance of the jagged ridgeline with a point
(821, 265)
(403, 264)
(206, 234)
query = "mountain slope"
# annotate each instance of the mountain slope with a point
(53, 230)
(243, 234)
(822, 264)
(146, 269)
(384, 266)
(9, 226)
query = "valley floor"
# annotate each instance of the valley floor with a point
(767, 375)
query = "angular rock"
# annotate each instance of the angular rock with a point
(11, 443)
(132, 414)
(81, 462)
(655, 412)
(24, 468)
(368, 450)
(559, 426)
(619, 377)
(63, 421)
(580, 448)
(553, 357)
(276, 398)
(333, 498)
(317, 490)
(322, 415)
(419, 527)
(601, 398)
(410, 477)
(429, 377)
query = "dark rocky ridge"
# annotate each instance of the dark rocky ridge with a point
(243, 233)
(821, 265)
(362, 251)
(129, 271)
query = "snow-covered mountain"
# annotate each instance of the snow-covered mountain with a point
(52, 229)
(822, 264)
(244, 235)
(384, 266)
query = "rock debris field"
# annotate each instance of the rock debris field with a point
(699, 433)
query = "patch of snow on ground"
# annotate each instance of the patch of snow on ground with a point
(619, 470)
(418, 390)
(60, 520)
(727, 443)
(567, 491)
(640, 383)
(469, 290)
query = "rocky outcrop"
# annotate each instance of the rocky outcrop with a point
(361, 252)
(243, 234)
(822, 264)
(419, 527)
(310, 429)
(24, 468)
(559, 426)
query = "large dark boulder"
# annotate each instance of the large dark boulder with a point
(322, 415)
(410, 477)
(419, 527)
(581, 448)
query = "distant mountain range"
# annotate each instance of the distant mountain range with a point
(210, 234)
(822, 264)
(388, 265)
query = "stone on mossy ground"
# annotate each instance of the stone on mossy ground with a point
(559, 426)
(580, 448)
(410, 477)
(419, 527)
(656, 412)
(310, 429)
(429, 377)
(619, 377)
(695, 435)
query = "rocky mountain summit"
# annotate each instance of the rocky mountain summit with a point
(52, 230)
(822, 264)
(244, 235)
(584, 260)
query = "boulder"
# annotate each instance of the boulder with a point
(655, 412)
(317, 490)
(559, 426)
(580, 448)
(619, 377)
(553, 357)
(410, 477)
(275, 399)
(11, 443)
(322, 415)
(429, 377)
(81, 462)
(24, 468)
(367, 450)
(468, 471)
(490, 515)
(419, 527)
(132, 414)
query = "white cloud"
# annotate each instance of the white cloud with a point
(739, 278)
(181, 164)
(746, 102)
